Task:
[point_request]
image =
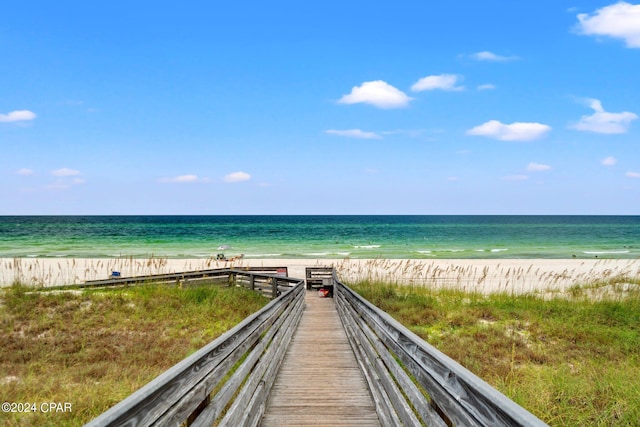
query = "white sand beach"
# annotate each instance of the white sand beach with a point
(481, 275)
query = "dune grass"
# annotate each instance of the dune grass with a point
(572, 360)
(92, 348)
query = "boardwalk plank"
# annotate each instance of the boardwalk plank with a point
(320, 382)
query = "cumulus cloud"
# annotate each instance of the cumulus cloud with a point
(632, 174)
(377, 93)
(492, 57)
(537, 167)
(25, 172)
(181, 179)
(442, 82)
(609, 161)
(354, 133)
(604, 122)
(65, 172)
(237, 177)
(486, 86)
(620, 20)
(17, 116)
(517, 131)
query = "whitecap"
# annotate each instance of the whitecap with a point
(499, 250)
(604, 252)
(366, 246)
(261, 255)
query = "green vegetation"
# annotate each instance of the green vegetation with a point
(572, 360)
(92, 348)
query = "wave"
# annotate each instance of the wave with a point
(605, 252)
(322, 254)
(366, 246)
(262, 255)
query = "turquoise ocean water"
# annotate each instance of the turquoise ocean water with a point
(321, 236)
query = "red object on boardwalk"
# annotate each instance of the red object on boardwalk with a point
(324, 292)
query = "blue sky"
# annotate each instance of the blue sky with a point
(350, 107)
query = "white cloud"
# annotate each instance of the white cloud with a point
(537, 167)
(65, 179)
(515, 177)
(354, 133)
(486, 86)
(604, 122)
(490, 56)
(620, 20)
(632, 174)
(25, 172)
(17, 116)
(237, 177)
(442, 82)
(412, 133)
(609, 161)
(514, 132)
(65, 172)
(377, 93)
(181, 179)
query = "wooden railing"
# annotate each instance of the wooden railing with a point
(228, 381)
(270, 281)
(413, 383)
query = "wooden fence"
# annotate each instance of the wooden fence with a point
(226, 382)
(444, 392)
(270, 281)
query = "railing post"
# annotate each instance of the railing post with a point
(274, 288)
(252, 282)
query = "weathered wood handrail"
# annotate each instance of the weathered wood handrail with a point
(267, 280)
(228, 380)
(455, 395)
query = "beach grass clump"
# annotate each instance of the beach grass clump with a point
(93, 348)
(572, 360)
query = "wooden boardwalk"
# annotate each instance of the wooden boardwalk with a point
(320, 382)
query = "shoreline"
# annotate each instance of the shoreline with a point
(475, 275)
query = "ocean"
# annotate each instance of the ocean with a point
(331, 237)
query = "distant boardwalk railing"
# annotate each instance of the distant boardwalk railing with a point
(454, 395)
(228, 381)
(270, 281)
